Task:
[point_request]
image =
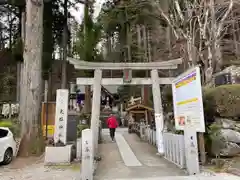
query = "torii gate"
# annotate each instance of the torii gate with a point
(97, 81)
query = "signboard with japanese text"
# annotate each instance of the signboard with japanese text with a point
(187, 100)
(60, 132)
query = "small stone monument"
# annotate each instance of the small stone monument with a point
(60, 154)
(191, 148)
(60, 131)
(87, 155)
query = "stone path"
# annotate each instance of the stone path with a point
(126, 152)
(217, 177)
(131, 159)
(118, 159)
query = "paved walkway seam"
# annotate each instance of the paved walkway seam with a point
(126, 152)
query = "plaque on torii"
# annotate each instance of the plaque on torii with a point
(127, 75)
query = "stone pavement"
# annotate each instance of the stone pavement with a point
(130, 158)
(217, 177)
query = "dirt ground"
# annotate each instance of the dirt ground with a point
(32, 168)
(20, 162)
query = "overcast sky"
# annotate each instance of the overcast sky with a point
(79, 14)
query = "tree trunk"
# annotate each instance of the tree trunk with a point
(65, 41)
(235, 35)
(165, 7)
(218, 56)
(32, 81)
(22, 87)
(87, 100)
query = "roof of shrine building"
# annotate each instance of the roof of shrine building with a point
(139, 107)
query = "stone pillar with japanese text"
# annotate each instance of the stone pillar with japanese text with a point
(61, 114)
(87, 155)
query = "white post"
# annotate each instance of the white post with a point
(45, 90)
(157, 101)
(121, 109)
(191, 149)
(87, 155)
(96, 107)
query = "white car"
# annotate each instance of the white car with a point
(7, 146)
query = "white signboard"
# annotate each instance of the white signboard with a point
(60, 133)
(187, 100)
(87, 155)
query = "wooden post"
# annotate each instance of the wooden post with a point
(201, 144)
(146, 117)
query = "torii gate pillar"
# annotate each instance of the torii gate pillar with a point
(96, 108)
(158, 110)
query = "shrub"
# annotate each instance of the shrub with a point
(80, 128)
(13, 125)
(213, 139)
(223, 100)
(86, 117)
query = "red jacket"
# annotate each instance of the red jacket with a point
(112, 122)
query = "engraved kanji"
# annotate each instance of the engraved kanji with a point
(61, 111)
(87, 149)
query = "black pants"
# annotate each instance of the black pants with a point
(112, 133)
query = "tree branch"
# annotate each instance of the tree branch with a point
(179, 11)
(219, 29)
(166, 18)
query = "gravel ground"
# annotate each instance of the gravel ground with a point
(40, 172)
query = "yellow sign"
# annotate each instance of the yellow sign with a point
(50, 130)
(187, 101)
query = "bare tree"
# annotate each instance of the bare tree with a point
(201, 25)
(217, 30)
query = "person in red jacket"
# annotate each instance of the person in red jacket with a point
(112, 125)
